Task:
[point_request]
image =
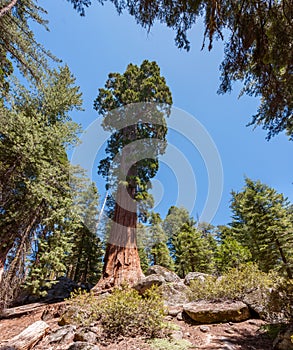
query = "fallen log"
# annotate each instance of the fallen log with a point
(20, 310)
(28, 337)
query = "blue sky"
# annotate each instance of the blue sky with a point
(103, 42)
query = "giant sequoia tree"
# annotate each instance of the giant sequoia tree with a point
(133, 106)
(258, 46)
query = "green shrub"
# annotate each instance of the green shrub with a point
(166, 344)
(83, 309)
(123, 313)
(234, 284)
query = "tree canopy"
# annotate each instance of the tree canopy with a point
(258, 46)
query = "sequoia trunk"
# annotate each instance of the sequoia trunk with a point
(121, 262)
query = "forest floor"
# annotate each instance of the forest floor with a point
(248, 335)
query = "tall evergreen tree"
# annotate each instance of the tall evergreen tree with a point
(159, 251)
(230, 253)
(174, 221)
(193, 252)
(261, 222)
(34, 170)
(138, 138)
(85, 260)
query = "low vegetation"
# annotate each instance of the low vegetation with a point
(123, 313)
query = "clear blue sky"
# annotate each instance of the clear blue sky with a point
(103, 42)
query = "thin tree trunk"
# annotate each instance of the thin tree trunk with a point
(3, 255)
(283, 257)
(7, 8)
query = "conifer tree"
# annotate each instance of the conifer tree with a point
(258, 46)
(85, 260)
(34, 170)
(133, 105)
(159, 251)
(174, 221)
(18, 43)
(262, 223)
(193, 252)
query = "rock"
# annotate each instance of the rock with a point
(176, 335)
(147, 282)
(204, 312)
(192, 276)
(175, 293)
(168, 318)
(61, 289)
(169, 276)
(174, 310)
(204, 329)
(62, 334)
(284, 340)
(256, 301)
(85, 335)
(53, 311)
(80, 345)
(180, 316)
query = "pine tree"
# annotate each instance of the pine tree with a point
(230, 253)
(158, 250)
(133, 106)
(174, 221)
(18, 43)
(193, 252)
(261, 222)
(34, 170)
(85, 260)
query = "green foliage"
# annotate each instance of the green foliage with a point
(127, 313)
(123, 103)
(157, 245)
(85, 260)
(83, 308)
(193, 251)
(166, 344)
(124, 312)
(234, 284)
(36, 201)
(257, 47)
(230, 253)
(262, 222)
(18, 41)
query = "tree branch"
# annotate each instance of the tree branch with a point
(7, 8)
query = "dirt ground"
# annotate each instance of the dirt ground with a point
(246, 335)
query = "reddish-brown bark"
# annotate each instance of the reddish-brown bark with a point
(121, 262)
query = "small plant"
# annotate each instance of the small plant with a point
(123, 313)
(127, 313)
(84, 308)
(166, 344)
(234, 284)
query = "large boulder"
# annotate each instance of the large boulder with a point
(195, 276)
(209, 312)
(257, 301)
(175, 293)
(147, 282)
(169, 276)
